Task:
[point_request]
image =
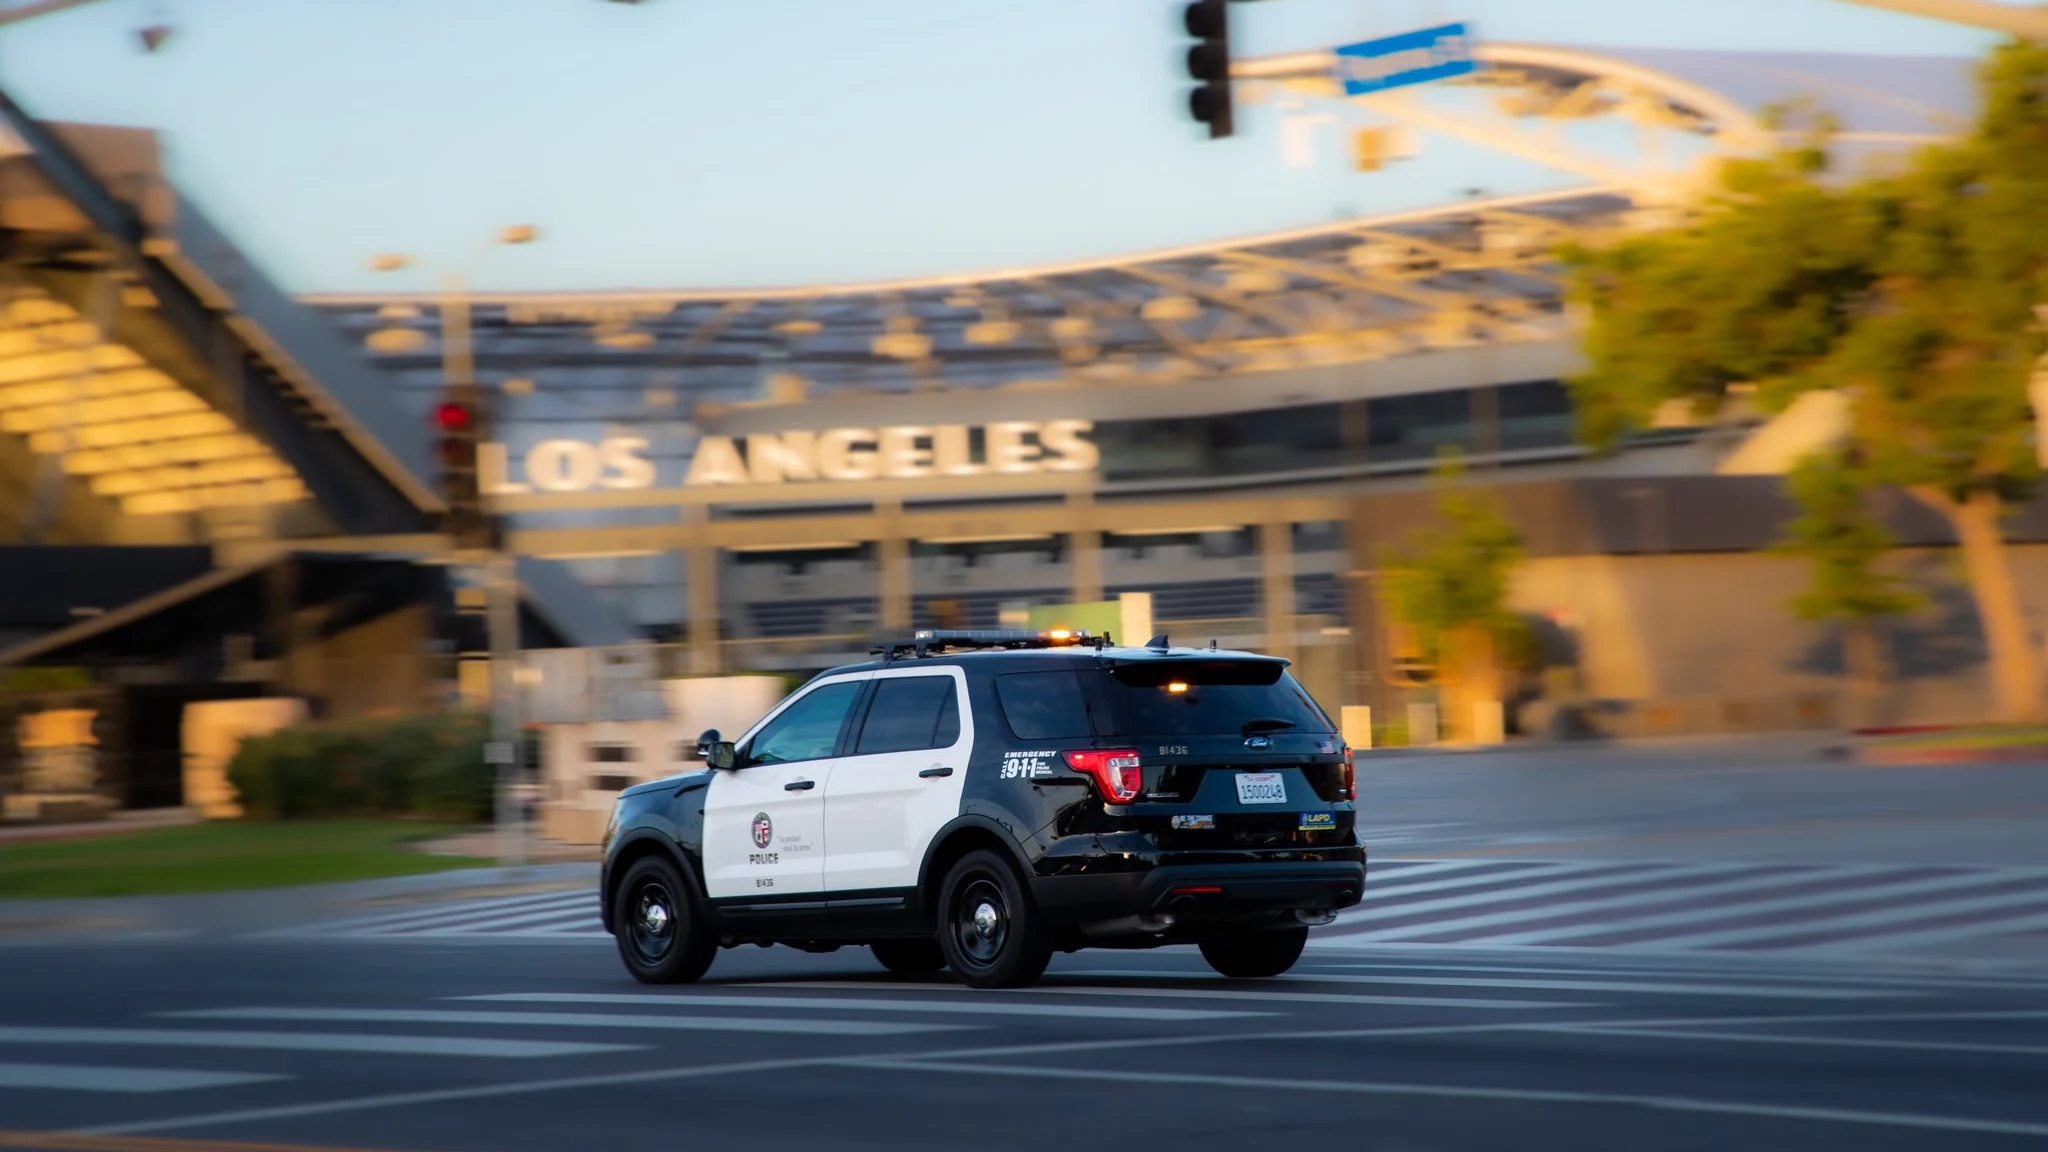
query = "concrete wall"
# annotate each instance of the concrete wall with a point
(1720, 626)
(379, 668)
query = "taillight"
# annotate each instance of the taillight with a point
(1350, 776)
(1116, 772)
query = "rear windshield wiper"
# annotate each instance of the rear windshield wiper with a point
(1251, 726)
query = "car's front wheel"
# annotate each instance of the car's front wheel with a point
(660, 931)
(1254, 955)
(909, 957)
(990, 932)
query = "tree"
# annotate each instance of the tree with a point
(1840, 534)
(1910, 290)
(1449, 587)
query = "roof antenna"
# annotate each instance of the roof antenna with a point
(1158, 641)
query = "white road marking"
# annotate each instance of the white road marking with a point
(1386, 902)
(1755, 991)
(1818, 903)
(701, 1071)
(1801, 1041)
(441, 913)
(1917, 937)
(1220, 993)
(1678, 890)
(88, 1078)
(1821, 921)
(1459, 1092)
(979, 1007)
(483, 1047)
(789, 1027)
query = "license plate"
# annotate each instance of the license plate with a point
(1261, 788)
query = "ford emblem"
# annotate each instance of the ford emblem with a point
(1258, 742)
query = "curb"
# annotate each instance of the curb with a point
(1894, 757)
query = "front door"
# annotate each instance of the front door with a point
(764, 818)
(898, 781)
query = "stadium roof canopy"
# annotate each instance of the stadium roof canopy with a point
(1475, 273)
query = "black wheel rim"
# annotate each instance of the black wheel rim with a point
(651, 921)
(981, 922)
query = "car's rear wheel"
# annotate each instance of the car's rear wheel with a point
(990, 932)
(1254, 955)
(909, 957)
(659, 928)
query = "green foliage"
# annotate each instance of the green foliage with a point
(423, 766)
(1456, 574)
(1913, 289)
(1838, 532)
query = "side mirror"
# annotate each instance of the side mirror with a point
(715, 751)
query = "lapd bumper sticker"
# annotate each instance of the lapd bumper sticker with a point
(1318, 821)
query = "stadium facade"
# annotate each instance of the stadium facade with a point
(767, 478)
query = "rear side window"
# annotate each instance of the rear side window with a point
(910, 713)
(1210, 698)
(1044, 705)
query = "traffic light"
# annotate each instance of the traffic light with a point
(1208, 21)
(459, 430)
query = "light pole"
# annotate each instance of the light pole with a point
(491, 567)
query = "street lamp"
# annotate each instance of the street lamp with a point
(490, 563)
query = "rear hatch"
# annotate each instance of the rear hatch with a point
(1233, 753)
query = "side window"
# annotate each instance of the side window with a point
(1044, 705)
(910, 713)
(807, 729)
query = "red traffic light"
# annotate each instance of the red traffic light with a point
(454, 417)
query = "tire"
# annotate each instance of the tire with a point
(990, 932)
(1255, 955)
(659, 926)
(909, 957)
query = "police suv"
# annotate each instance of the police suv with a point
(977, 800)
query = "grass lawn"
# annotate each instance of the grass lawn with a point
(220, 856)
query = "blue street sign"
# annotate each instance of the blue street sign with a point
(1411, 58)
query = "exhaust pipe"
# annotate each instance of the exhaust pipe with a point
(1314, 918)
(1129, 926)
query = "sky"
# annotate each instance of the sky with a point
(745, 143)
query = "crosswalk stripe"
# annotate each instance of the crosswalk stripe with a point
(791, 1027)
(1629, 926)
(88, 1078)
(979, 1007)
(1831, 977)
(487, 912)
(1228, 994)
(440, 913)
(1917, 937)
(480, 1047)
(1475, 874)
(2031, 898)
(1657, 877)
(1360, 923)
(1759, 991)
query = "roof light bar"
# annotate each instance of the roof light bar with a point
(926, 641)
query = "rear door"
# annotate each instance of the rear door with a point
(900, 780)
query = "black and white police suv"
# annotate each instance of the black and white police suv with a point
(978, 800)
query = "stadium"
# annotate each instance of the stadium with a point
(763, 480)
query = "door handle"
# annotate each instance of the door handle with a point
(929, 773)
(799, 786)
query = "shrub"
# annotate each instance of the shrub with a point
(421, 766)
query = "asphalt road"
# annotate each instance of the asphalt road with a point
(1693, 947)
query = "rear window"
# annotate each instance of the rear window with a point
(1210, 698)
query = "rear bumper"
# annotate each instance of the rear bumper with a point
(1203, 890)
